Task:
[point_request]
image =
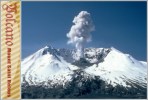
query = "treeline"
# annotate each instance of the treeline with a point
(82, 87)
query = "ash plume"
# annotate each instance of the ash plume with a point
(79, 33)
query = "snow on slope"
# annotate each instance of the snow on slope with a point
(114, 67)
(44, 66)
(119, 68)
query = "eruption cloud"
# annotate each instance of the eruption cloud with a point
(79, 33)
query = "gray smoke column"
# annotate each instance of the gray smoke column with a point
(79, 33)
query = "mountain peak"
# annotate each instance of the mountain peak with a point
(46, 47)
(112, 48)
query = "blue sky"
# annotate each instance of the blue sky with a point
(118, 24)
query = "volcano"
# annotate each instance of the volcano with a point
(101, 73)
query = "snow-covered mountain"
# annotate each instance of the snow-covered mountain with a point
(57, 66)
(120, 68)
(46, 65)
